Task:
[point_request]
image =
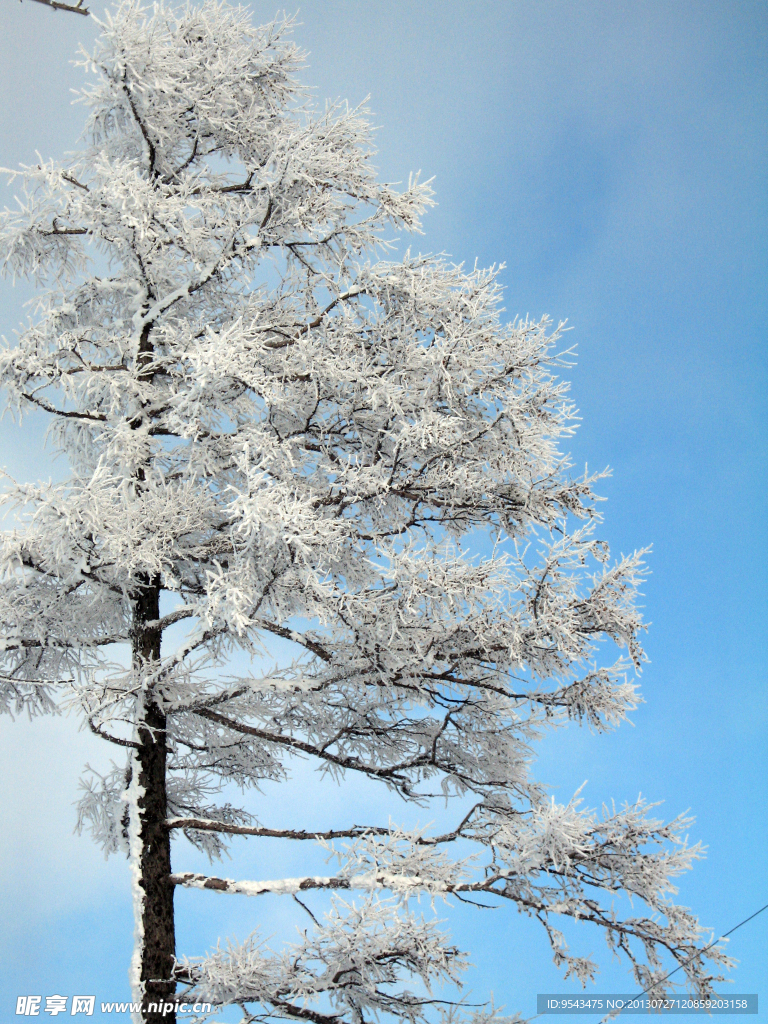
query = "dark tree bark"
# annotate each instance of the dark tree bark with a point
(56, 5)
(159, 945)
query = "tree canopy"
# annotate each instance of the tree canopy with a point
(288, 440)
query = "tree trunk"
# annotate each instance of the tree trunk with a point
(156, 927)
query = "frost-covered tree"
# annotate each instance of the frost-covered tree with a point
(283, 437)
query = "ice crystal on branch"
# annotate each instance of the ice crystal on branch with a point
(284, 437)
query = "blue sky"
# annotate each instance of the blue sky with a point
(613, 155)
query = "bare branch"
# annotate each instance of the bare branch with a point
(56, 5)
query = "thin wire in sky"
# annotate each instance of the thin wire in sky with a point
(703, 951)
